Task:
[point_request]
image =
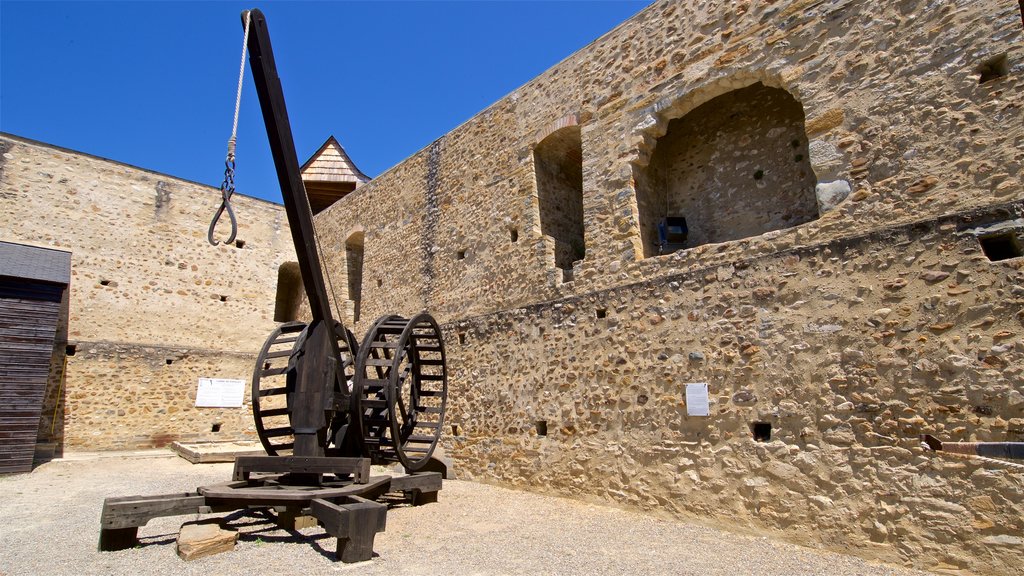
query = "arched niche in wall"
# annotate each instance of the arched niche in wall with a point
(354, 270)
(733, 167)
(289, 292)
(558, 167)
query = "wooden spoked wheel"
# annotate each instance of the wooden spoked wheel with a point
(401, 383)
(274, 377)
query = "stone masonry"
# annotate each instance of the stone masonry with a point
(851, 177)
(152, 307)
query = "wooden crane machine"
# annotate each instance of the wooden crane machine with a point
(325, 407)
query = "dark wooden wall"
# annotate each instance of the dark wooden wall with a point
(29, 313)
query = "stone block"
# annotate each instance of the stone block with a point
(830, 194)
(204, 538)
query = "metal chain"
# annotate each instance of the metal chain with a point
(227, 187)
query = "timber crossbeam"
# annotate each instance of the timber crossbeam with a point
(347, 509)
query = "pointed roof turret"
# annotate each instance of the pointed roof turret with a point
(330, 175)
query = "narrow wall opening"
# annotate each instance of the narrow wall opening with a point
(354, 267)
(289, 292)
(736, 166)
(558, 164)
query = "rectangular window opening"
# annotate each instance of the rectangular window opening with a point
(602, 313)
(542, 427)
(70, 349)
(460, 255)
(1001, 246)
(239, 243)
(762, 431)
(462, 337)
(215, 427)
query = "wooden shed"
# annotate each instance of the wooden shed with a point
(329, 175)
(33, 284)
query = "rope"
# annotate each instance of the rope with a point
(227, 187)
(327, 273)
(238, 94)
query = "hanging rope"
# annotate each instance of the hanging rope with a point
(227, 187)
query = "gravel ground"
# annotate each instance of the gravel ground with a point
(50, 525)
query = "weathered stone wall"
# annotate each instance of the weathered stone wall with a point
(849, 350)
(849, 334)
(153, 306)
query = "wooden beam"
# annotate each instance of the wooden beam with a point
(354, 523)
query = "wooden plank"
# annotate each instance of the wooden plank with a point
(359, 468)
(257, 494)
(28, 327)
(134, 511)
(422, 481)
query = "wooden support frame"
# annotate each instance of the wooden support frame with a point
(347, 511)
(121, 517)
(355, 522)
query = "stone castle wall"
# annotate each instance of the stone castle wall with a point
(864, 312)
(152, 306)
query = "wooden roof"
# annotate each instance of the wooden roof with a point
(35, 263)
(331, 164)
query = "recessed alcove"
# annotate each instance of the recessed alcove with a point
(733, 167)
(558, 165)
(1002, 246)
(354, 268)
(289, 292)
(993, 69)
(542, 427)
(762, 431)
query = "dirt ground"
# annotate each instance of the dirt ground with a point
(51, 526)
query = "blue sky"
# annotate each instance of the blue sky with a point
(153, 83)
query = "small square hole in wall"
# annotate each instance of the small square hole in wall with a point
(542, 427)
(513, 235)
(456, 430)
(993, 69)
(215, 427)
(460, 255)
(70, 349)
(380, 282)
(223, 298)
(762, 431)
(169, 361)
(1000, 246)
(462, 337)
(104, 282)
(239, 243)
(602, 313)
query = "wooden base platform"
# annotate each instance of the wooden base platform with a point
(338, 492)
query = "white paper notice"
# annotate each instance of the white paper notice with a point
(219, 393)
(697, 399)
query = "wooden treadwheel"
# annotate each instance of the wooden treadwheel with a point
(274, 378)
(401, 385)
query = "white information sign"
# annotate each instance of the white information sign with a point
(697, 399)
(220, 393)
